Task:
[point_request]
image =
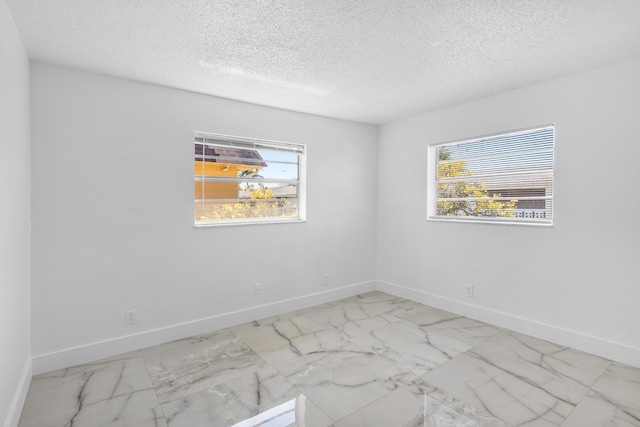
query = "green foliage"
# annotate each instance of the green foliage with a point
(255, 208)
(467, 189)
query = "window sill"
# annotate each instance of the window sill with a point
(493, 221)
(259, 221)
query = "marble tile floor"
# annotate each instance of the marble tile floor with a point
(370, 360)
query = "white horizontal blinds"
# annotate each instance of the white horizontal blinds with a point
(241, 178)
(507, 177)
(239, 142)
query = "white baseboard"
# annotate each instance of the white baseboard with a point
(99, 350)
(595, 345)
(15, 410)
(95, 351)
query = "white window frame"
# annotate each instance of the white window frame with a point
(255, 144)
(508, 174)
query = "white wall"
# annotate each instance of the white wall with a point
(577, 282)
(113, 207)
(15, 225)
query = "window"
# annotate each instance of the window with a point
(503, 178)
(243, 180)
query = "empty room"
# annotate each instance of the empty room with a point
(319, 213)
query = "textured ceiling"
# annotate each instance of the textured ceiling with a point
(371, 61)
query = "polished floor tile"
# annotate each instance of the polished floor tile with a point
(344, 379)
(614, 400)
(90, 395)
(519, 379)
(419, 404)
(368, 360)
(195, 366)
(411, 347)
(239, 400)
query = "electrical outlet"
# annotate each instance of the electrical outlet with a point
(470, 291)
(257, 289)
(326, 280)
(129, 317)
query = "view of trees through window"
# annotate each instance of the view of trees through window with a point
(237, 179)
(475, 197)
(504, 177)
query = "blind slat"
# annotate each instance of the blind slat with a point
(271, 190)
(240, 180)
(220, 140)
(515, 167)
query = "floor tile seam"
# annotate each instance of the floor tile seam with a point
(449, 356)
(615, 401)
(294, 386)
(87, 406)
(537, 386)
(529, 364)
(478, 412)
(436, 334)
(516, 399)
(319, 406)
(137, 412)
(599, 377)
(474, 345)
(588, 385)
(115, 396)
(197, 387)
(155, 390)
(365, 406)
(80, 369)
(185, 394)
(278, 372)
(145, 353)
(307, 397)
(364, 331)
(564, 422)
(235, 334)
(442, 365)
(470, 349)
(129, 392)
(445, 332)
(164, 416)
(159, 407)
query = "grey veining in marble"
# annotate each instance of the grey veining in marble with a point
(614, 400)
(369, 360)
(90, 395)
(182, 370)
(461, 328)
(232, 402)
(419, 404)
(150, 418)
(350, 320)
(411, 347)
(520, 379)
(287, 344)
(237, 400)
(345, 379)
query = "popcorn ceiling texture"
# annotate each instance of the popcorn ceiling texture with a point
(371, 61)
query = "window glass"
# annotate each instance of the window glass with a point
(241, 180)
(504, 178)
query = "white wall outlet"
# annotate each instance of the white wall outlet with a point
(257, 289)
(326, 280)
(470, 291)
(129, 317)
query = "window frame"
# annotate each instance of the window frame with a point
(241, 142)
(433, 180)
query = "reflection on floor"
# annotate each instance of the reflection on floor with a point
(370, 360)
